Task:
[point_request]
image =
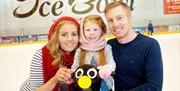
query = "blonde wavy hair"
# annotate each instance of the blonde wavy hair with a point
(53, 44)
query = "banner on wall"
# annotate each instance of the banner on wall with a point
(31, 17)
(171, 6)
(28, 17)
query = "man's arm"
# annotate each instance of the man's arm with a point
(153, 70)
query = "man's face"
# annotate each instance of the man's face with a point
(119, 21)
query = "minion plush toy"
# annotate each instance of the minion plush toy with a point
(87, 78)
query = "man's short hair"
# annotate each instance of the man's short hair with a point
(115, 4)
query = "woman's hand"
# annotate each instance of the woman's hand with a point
(63, 74)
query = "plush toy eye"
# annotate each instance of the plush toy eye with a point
(79, 73)
(92, 73)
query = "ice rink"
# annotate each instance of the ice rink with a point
(15, 63)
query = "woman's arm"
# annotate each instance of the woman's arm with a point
(63, 74)
(36, 75)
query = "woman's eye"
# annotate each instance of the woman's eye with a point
(87, 30)
(63, 34)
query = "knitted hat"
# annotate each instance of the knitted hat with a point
(64, 18)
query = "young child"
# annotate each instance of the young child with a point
(94, 50)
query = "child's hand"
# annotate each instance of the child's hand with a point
(104, 72)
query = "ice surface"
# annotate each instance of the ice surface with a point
(15, 63)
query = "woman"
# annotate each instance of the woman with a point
(50, 65)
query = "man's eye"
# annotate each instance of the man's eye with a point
(119, 18)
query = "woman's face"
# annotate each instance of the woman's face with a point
(68, 37)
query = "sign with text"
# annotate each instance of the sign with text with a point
(58, 7)
(171, 6)
(28, 17)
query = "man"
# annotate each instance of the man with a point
(150, 28)
(138, 57)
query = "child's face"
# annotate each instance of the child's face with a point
(92, 31)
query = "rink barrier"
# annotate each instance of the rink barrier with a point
(23, 43)
(107, 37)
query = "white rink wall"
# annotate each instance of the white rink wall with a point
(15, 63)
